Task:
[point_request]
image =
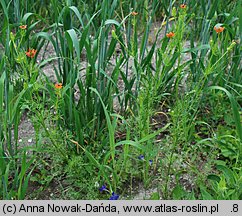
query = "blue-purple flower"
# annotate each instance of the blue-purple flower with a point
(150, 162)
(103, 188)
(141, 157)
(114, 196)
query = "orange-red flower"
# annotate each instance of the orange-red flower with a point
(134, 13)
(183, 6)
(23, 27)
(31, 53)
(58, 85)
(170, 34)
(218, 29)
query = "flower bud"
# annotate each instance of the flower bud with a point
(114, 34)
(231, 46)
(12, 36)
(173, 12)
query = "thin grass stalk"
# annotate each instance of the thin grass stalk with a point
(168, 15)
(16, 11)
(2, 111)
(110, 134)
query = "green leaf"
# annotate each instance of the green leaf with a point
(239, 8)
(75, 10)
(178, 193)
(130, 142)
(5, 10)
(155, 196)
(214, 177)
(213, 9)
(195, 49)
(229, 175)
(26, 16)
(1, 92)
(2, 162)
(236, 114)
(150, 136)
(205, 194)
(46, 36)
(110, 127)
(147, 59)
(84, 35)
(112, 22)
(73, 42)
(91, 158)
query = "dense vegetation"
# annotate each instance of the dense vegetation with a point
(143, 96)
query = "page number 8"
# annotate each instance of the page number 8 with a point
(235, 208)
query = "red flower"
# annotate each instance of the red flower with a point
(58, 85)
(23, 27)
(183, 6)
(218, 29)
(31, 53)
(170, 34)
(134, 13)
